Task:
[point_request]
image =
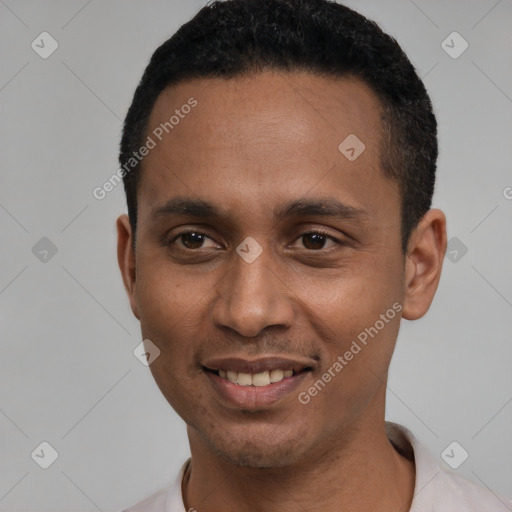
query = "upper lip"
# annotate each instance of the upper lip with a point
(262, 364)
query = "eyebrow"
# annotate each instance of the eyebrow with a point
(328, 207)
(184, 207)
(198, 208)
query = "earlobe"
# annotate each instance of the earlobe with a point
(424, 261)
(126, 259)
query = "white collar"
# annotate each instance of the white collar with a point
(435, 490)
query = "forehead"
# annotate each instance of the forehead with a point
(258, 139)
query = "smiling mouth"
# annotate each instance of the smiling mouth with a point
(256, 379)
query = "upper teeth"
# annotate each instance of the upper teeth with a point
(255, 379)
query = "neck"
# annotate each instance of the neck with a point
(361, 470)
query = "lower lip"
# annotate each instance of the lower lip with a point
(254, 397)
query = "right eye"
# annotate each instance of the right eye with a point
(191, 240)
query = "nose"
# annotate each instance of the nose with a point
(251, 297)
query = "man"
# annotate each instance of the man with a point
(279, 163)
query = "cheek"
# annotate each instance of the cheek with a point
(167, 297)
(359, 318)
(171, 317)
(356, 360)
(351, 301)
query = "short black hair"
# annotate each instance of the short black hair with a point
(231, 38)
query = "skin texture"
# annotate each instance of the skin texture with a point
(251, 145)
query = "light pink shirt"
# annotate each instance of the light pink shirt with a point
(436, 489)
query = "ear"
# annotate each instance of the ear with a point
(424, 260)
(126, 259)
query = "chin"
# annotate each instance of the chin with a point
(257, 456)
(257, 450)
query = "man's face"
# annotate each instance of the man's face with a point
(258, 150)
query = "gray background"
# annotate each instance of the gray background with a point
(68, 374)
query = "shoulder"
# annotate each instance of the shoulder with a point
(456, 492)
(169, 499)
(438, 489)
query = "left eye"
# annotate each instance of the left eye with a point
(316, 240)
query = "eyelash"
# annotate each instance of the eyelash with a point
(312, 232)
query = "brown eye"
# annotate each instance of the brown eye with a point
(192, 240)
(318, 240)
(314, 241)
